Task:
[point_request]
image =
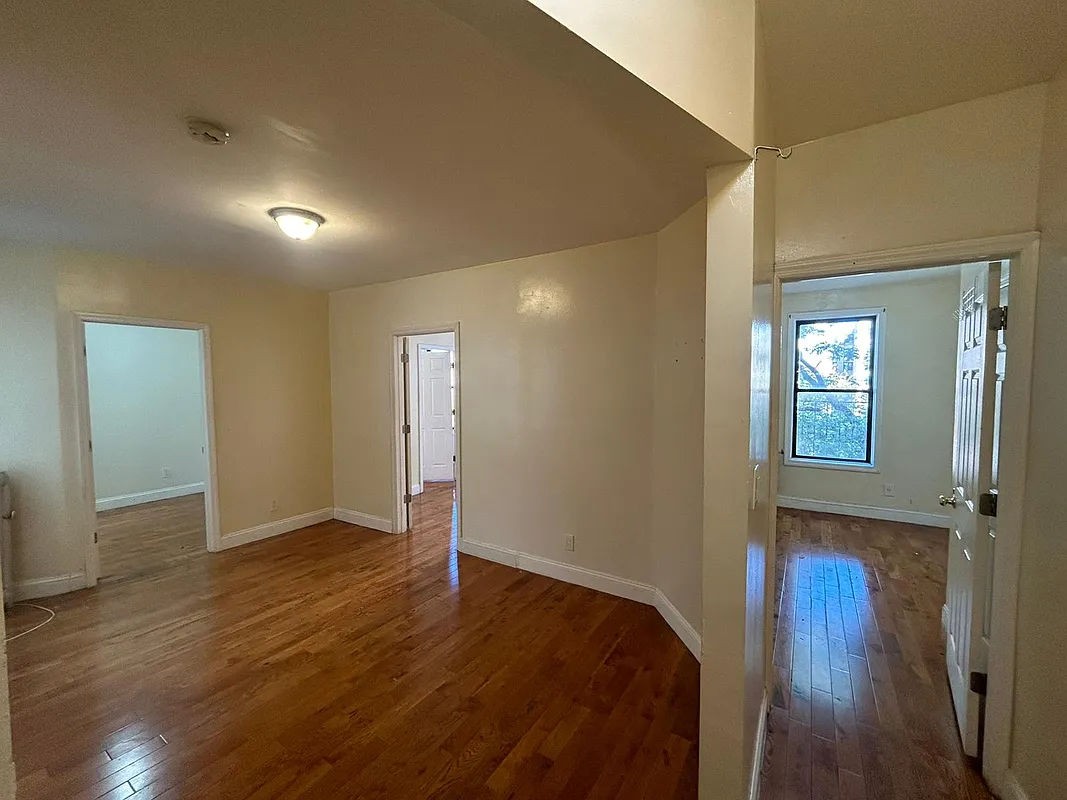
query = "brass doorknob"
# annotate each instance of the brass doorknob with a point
(947, 501)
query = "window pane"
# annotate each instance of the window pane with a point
(832, 425)
(834, 354)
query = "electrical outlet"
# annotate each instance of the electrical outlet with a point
(889, 489)
(568, 543)
(273, 505)
(164, 473)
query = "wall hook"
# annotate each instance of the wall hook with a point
(781, 153)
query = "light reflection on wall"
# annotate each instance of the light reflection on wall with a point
(541, 297)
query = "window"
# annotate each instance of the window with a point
(833, 387)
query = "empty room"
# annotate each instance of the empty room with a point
(531, 399)
(148, 426)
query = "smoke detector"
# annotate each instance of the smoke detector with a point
(207, 132)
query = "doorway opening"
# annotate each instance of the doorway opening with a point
(427, 424)
(894, 571)
(147, 445)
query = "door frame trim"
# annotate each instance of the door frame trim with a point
(83, 428)
(397, 400)
(1022, 251)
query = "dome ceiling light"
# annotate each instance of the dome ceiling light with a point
(207, 132)
(297, 223)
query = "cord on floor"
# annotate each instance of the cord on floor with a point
(38, 626)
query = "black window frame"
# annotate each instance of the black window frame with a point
(870, 391)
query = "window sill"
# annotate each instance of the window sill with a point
(843, 466)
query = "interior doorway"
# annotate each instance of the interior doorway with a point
(894, 604)
(147, 458)
(427, 443)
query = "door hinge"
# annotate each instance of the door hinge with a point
(998, 318)
(987, 503)
(978, 683)
(405, 428)
(96, 537)
(407, 497)
(403, 358)
(90, 445)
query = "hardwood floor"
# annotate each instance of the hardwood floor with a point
(861, 705)
(338, 662)
(150, 536)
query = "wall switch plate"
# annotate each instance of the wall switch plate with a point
(165, 473)
(568, 543)
(273, 505)
(889, 489)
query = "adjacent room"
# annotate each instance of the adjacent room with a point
(429, 378)
(147, 416)
(881, 437)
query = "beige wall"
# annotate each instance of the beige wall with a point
(727, 720)
(697, 53)
(1039, 747)
(271, 390)
(913, 445)
(678, 411)
(556, 400)
(31, 445)
(961, 172)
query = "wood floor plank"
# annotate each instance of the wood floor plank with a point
(860, 708)
(339, 662)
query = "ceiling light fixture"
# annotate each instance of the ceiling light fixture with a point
(206, 131)
(297, 223)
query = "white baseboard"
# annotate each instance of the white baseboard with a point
(7, 779)
(416, 488)
(35, 588)
(490, 552)
(363, 520)
(275, 528)
(867, 512)
(135, 499)
(591, 579)
(680, 625)
(1011, 789)
(757, 750)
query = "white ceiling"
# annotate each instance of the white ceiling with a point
(432, 134)
(837, 65)
(425, 145)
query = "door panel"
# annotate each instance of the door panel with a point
(438, 431)
(971, 537)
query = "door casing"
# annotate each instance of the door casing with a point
(399, 402)
(84, 430)
(1022, 250)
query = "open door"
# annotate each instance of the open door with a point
(979, 371)
(438, 434)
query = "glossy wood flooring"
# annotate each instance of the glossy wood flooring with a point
(861, 706)
(146, 537)
(338, 662)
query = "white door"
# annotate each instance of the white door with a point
(438, 434)
(979, 372)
